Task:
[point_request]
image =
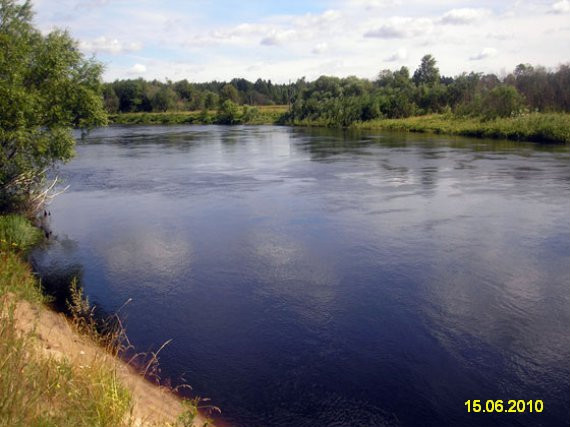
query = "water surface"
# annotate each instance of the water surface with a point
(329, 278)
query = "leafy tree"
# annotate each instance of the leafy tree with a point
(229, 92)
(503, 101)
(111, 100)
(211, 100)
(427, 73)
(228, 113)
(47, 88)
(164, 99)
(249, 114)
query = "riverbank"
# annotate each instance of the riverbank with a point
(261, 115)
(535, 127)
(51, 374)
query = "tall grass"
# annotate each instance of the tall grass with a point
(537, 127)
(259, 115)
(17, 233)
(38, 390)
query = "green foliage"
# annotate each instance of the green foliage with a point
(332, 101)
(249, 114)
(17, 279)
(539, 127)
(228, 114)
(427, 73)
(17, 233)
(229, 93)
(502, 101)
(46, 88)
(39, 391)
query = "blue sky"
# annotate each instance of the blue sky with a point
(204, 40)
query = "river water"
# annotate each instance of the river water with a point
(329, 278)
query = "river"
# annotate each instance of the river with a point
(313, 277)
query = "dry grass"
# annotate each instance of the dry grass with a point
(40, 386)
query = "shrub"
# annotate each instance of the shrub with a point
(17, 233)
(228, 113)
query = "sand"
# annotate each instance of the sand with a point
(153, 405)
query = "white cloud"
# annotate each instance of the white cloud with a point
(562, 6)
(371, 4)
(402, 27)
(464, 16)
(348, 37)
(275, 38)
(107, 45)
(487, 52)
(400, 55)
(137, 69)
(320, 48)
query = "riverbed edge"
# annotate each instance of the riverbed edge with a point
(33, 334)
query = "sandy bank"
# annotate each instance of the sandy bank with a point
(152, 405)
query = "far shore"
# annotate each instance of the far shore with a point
(535, 127)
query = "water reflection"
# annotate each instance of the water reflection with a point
(355, 278)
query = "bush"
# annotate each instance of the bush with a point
(249, 114)
(228, 113)
(17, 233)
(502, 101)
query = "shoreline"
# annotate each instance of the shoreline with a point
(546, 128)
(48, 357)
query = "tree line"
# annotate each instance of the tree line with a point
(393, 94)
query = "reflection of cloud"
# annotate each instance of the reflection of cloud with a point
(292, 271)
(147, 255)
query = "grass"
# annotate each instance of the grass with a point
(17, 233)
(537, 127)
(37, 390)
(265, 114)
(41, 390)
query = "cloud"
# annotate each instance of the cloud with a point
(107, 45)
(562, 6)
(320, 48)
(464, 16)
(487, 52)
(198, 43)
(278, 37)
(137, 69)
(371, 4)
(400, 28)
(400, 55)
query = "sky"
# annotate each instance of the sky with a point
(202, 40)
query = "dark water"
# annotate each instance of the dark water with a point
(324, 278)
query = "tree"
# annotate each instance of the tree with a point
(503, 101)
(229, 92)
(427, 73)
(164, 99)
(228, 113)
(47, 88)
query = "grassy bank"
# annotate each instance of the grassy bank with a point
(537, 127)
(261, 115)
(50, 375)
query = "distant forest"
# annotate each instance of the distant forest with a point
(393, 94)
